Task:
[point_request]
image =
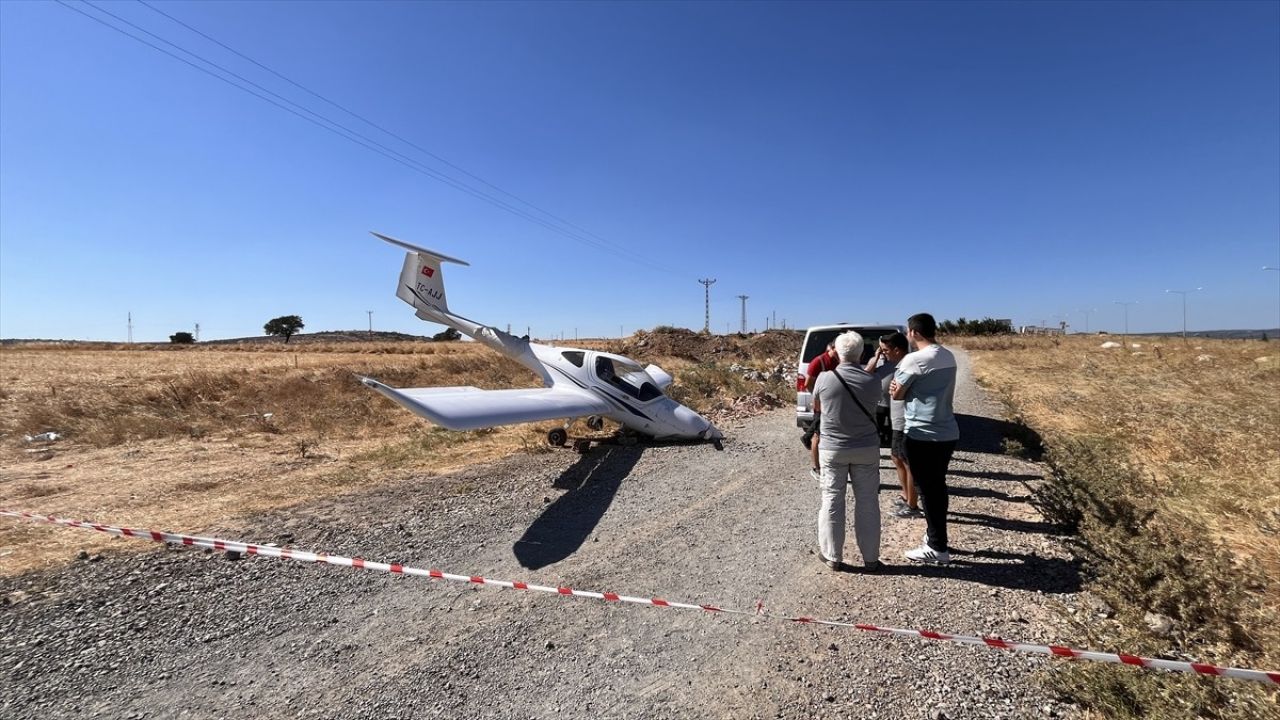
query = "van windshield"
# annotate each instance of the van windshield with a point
(818, 340)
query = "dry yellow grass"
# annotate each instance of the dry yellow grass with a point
(1165, 458)
(1201, 419)
(168, 438)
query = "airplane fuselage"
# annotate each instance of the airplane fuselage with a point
(637, 401)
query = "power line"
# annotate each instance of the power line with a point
(371, 123)
(355, 136)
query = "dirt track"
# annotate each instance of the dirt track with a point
(181, 633)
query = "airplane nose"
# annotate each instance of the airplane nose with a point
(692, 423)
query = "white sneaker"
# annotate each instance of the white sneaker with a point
(926, 554)
(813, 473)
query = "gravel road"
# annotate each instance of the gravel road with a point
(180, 633)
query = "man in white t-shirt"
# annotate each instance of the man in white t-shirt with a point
(926, 380)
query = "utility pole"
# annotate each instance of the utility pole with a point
(775, 318)
(1126, 317)
(370, 322)
(1086, 312)
(1268, 267)
(706, 322)
(743, 298)
(197, 332)
(130, 327)
(1184, 294)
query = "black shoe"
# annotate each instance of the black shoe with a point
(872, 567)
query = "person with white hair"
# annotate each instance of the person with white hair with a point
(849, 453)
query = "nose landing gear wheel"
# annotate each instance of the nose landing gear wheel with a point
(557, 437)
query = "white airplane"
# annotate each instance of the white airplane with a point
(577, 383)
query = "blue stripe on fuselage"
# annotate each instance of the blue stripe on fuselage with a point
(607, 395)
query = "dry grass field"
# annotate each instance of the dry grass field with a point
(1165, 461)
(1201, 420)
(174, 437)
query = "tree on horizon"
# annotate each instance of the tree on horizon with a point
(285, 326)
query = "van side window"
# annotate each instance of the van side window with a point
(574, 356)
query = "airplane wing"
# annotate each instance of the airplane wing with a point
(469, 408)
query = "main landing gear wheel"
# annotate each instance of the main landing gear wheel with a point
(557, 437)
(595, 422)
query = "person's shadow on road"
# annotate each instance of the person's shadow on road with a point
(1015, 571)
(591, 482)
(980, 434)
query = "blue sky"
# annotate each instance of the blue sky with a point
(833, 161)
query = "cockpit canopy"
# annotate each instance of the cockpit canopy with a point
(628, 377)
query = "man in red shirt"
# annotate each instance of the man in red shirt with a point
(824, 362)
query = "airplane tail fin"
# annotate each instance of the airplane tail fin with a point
(421, 281)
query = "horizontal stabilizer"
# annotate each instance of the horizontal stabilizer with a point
(421, 251)
(467, 408)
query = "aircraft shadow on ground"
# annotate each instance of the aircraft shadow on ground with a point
(591, 482)
(987, 435)
(1015, 571)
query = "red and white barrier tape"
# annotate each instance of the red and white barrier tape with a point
(1263, 676)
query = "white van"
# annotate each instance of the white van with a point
(815, 343)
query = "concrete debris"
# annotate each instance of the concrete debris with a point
(44, 437)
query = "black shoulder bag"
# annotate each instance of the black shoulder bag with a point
(861, 407)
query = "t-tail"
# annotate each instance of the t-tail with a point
(422, 281)
(422, 286)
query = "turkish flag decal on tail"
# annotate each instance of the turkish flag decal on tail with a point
(428, 271)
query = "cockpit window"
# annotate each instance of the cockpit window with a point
(574, 356)
(627, 377)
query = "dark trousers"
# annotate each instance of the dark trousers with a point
(884, 426)
(815, 427)
(929, 461)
